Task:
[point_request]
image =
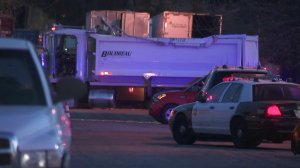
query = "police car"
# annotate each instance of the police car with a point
(162, 103)
(244, 111)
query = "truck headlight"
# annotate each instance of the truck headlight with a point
(156, 98)
(40, 159)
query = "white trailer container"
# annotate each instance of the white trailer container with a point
(93, 18)
(136, 23)
(129, 22)
(172, 25)
(123, 68)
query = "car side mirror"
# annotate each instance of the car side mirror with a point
(201, 98)
(195, 88)
(69, 88)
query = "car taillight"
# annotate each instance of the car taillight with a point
(273, 111)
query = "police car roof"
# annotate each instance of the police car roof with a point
(261, 81)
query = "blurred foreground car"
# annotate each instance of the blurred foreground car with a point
(34, 128)
(245, 112)
(162, 103)
(295, 143)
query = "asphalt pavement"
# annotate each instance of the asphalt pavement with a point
(114, 114)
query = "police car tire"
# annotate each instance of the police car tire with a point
(241, 137)
(182, 134)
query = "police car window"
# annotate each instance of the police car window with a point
(293, 91)
(233, 93)
(276, 92)
(19, 82)
(214, 94)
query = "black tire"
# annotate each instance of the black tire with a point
(254, 142)
(66, 161)
(241, 136)
(295, 145)
(165, 113)
(182, 134)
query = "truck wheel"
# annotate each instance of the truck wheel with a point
(166, 113)
(182, 134)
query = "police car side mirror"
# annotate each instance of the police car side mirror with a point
(201, 98)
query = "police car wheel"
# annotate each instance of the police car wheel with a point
(181, 132)
(241, 137)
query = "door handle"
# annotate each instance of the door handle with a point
(212, 107)
(231, 108)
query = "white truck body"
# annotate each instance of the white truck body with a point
(149, 64)
(167, 58)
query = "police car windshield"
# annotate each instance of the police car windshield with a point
(19, 84)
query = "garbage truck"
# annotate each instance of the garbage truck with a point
(125, 69)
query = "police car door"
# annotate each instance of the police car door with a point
(203, 113)
(225, 109)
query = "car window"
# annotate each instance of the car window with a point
(19, 82)
(214, 94)
(265, 92)
(233, 93)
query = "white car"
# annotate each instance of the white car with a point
(245, 112)
(34, 128)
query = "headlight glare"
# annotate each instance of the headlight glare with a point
(40, 159)
(33, 159)
(54, 158)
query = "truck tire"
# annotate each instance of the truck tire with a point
(166, 113)
(182, 134)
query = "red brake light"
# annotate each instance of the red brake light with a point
(53, 28)
(102, 73)
(209, 98)
(273, 111)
